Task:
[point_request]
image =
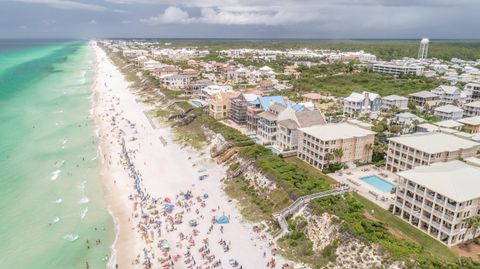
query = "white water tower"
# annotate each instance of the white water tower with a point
(422, 52)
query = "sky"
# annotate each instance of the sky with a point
(315, 19)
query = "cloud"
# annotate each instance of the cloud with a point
(92, 22)
(234, 16)
(65, 4)
(171, 15)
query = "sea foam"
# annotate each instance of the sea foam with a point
(71, 237)
(84, 213)
(55, 174)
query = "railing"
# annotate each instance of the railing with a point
(299, 203)
(239, 170)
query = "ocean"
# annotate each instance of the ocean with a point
(51, 194)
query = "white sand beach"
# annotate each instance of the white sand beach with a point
(169, 181)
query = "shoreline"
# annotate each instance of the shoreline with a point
(165, 172)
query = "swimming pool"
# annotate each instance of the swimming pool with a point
(255, 138)
(274, 150)
(197, 103)
(379, 183)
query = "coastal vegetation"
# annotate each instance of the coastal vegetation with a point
(358, 217)
(341, 80)
(383, 49)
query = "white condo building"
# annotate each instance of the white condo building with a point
(398, 68)
(438, 199)
(408, 151)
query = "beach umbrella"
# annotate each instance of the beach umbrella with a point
(223, 220)
(169, 207)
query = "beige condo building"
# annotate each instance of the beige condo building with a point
(315, 143)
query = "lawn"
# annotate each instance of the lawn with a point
(403, 230)
(312, 171)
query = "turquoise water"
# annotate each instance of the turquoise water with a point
(379, 183)
(51, 196)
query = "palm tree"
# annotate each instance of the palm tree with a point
(368, 150)
(329, 157)
(473, 223)
(338, 154)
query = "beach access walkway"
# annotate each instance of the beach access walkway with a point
(282, 216)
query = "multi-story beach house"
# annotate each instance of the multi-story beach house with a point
(267, 126)
(341, 142)
(471, 109)
(448, 94)
(471, 124)
(394, 101)
(423, 98)
(238, 110)
(408, 151)
(206, 93)
(439, 198)
(322, 100)
(220, 103)
(474, 87)
(258, 106)
(407, 118)
(448, 112)
(358, 103)
(288, 125)
(178, 81)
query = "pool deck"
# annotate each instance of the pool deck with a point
(353, 177)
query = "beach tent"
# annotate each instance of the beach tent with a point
(201, 170)
(223, 220)
(205, 196)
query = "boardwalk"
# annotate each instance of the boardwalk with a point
(282, 216)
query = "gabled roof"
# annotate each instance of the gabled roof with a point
(475, 104)
(266, 101)
(470, 121)
(455, 179)
(394, 97)
(268, 115)
(423, 94)
(448, 109)
(447, 89)
(309, 118)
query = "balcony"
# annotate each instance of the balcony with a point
(418, 203)
(430, 196)
(409, 187)
(425, 218)
(446, 230)
(420, 192)
(435, 224)
(438, 212)
(449, 217)
(451, 207)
